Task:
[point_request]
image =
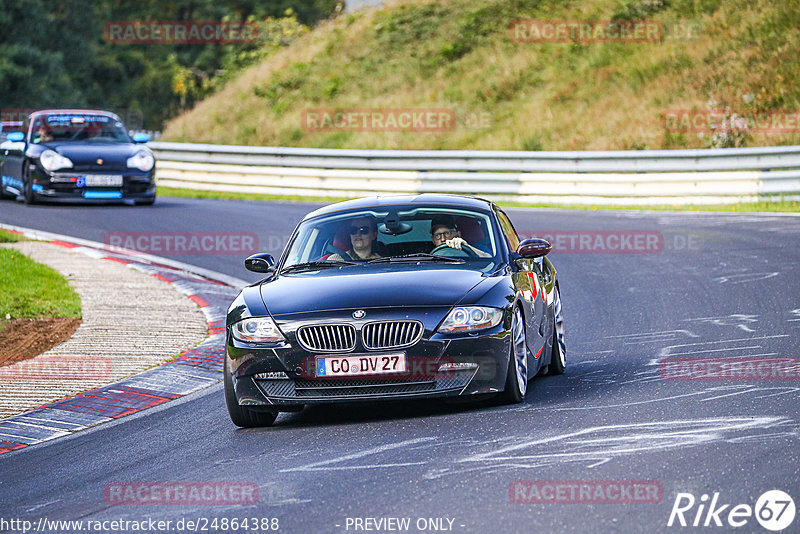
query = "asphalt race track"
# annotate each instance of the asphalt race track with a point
(722, 286)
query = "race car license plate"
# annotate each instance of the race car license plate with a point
(104, 180)
(362, 364)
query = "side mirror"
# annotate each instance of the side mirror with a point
(16, 137)
(141, 138)
(260, 263)
(534, 248)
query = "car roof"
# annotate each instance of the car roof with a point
(423, 199)
(74, 112)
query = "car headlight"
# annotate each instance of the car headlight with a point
(52, 161)
(257, 330)
(471, 318)
(142, 160)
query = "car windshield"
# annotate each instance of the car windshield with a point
(69, 127)
(397, 235)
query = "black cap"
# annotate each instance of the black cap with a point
(443, 220)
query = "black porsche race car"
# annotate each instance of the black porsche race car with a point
(389, 298)
(75, 154)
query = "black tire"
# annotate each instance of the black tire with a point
(558, 357)
(148, 202)
(27, 194)
(241, 416)
(517, 374)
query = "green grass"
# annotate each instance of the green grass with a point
(225, 195)
(10, 237)
(459, 55)
(776, 206)
(32, 290)
(741, 207)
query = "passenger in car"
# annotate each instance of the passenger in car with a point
(363, 232)
(444, 231)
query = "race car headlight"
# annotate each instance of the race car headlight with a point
(257, 330)
(142, 160)
(471, 318)
(52, 161)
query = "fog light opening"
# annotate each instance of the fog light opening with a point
(457, 366)
(272, 376)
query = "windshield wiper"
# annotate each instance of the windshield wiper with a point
(420, 256)
(311, 265)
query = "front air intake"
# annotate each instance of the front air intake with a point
(391, 334)
(327, 338)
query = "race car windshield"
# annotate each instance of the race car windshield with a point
(78, 128)
(409, 235)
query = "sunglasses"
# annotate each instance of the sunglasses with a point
(445, 235)
(363, 230)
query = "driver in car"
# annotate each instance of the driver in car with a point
(444, 231)
(363, 232)
(42, 135)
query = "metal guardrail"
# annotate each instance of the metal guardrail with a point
(598, 177)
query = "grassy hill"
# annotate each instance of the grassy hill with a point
(459, 55)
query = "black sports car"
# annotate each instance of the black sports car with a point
(393, 297)
(68, 155)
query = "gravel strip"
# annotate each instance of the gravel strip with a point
(131, 322)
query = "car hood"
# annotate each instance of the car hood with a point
(115, 154)
(367, 287)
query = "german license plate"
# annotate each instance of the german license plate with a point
(362, 364)
(104, 180)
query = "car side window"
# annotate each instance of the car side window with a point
(35, 136)
(508, 230)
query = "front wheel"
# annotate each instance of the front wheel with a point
(241, 415)
(517, 375)
(558, 358)
(27, 190)
(148, 202)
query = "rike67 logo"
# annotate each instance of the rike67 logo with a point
(774, 510)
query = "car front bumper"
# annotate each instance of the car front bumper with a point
(60, 187)
(437, 366)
